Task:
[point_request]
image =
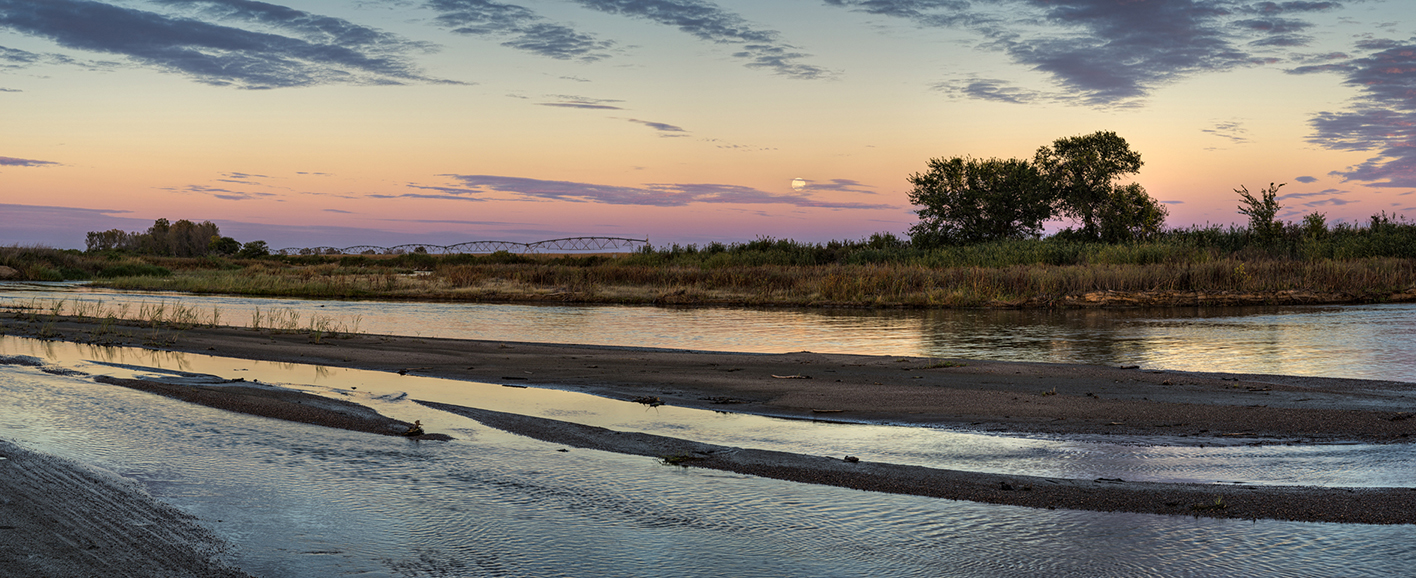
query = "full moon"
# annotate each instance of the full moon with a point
(798, 184)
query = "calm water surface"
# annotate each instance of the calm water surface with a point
(1369, 342)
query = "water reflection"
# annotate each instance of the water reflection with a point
(299, 500)
(1370, 341)
(1064, 457)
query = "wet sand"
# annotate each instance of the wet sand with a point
(62, 519)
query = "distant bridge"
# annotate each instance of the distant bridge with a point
(598, 244)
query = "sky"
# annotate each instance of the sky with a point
(359, 122)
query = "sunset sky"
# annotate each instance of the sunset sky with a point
(347, 122)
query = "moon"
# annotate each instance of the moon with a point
(798, 184)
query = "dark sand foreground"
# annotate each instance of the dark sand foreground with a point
(62, 519)
(1184, 407)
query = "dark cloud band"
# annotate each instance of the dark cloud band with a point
(217, 54)
(1383, 118)
(1108, 52)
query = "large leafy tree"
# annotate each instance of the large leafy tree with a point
(1082, 172)
(1129, 214)
(967, 200)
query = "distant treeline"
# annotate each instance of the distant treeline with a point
(181, 239)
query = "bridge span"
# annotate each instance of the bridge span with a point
(567, 244)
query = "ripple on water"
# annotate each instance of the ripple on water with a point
(301, 500)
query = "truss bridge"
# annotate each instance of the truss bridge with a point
(566, 245)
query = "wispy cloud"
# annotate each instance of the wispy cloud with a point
(668, 130)
(245, 182)
(525, 29)
(455, 222)
(1231, 130)
(1110, 52)
(323, 50)
(1382, 117)
(569, 101)
(761, 48)
(1329, 202)
(224, 194)
(992, 89)
(1306, 179)
(14, 59)
(1322, 193)
(840, 185)
(313, 27)
(475, 187)
(242, 179)
(14, 162)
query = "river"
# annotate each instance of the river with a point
(299, 500)
(1365, 341)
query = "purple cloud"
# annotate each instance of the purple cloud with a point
(1328, 192)
(1383, 117)
(1109, 52)
(707, 21)
(14, 162)
(570, 101)
(842, 185)
(527, 31)
(672, 130)
(994, 90)
(222, 55)
(1233, 130)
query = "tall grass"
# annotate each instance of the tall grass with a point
(173, 314)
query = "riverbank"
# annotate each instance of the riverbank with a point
(1180, 407)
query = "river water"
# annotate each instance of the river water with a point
(298, 500)
(1367, 342)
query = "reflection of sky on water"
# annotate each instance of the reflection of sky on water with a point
(1141, 460)
(1366, 341)
(299, 500)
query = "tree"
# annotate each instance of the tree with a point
(112, 239)
(1262, 212)
(253, 249)
(1081, 172)
(1129, 214)
(967, 200)
(224, 245)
